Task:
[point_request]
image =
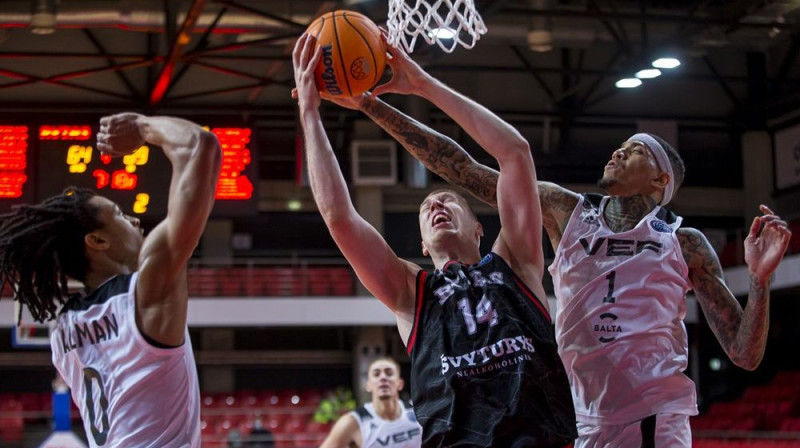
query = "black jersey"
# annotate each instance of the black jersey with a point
(485, 371)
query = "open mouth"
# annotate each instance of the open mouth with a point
(440, 219)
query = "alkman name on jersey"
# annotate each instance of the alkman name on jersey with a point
(93, 332)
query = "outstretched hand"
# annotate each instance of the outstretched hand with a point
(119, 134)
(765, 245)
(407, 76)
(305, 56)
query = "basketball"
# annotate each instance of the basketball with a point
(353, 56)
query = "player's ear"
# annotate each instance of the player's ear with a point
(96, 241)
(479, 230)
(425, 252)
(400, 384)
(661, 180)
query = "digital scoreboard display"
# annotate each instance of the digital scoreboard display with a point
(13, 161)
(37, 162)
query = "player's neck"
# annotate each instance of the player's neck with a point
(622, 213)
(97, 276)
(388, 409)
(466, 252)
(440, 260)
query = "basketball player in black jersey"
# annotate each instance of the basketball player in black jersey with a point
(484, 366)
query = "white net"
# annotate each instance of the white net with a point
(447, 23)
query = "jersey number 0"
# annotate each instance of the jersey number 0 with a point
(91, 375)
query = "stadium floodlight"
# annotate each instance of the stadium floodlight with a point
(648, 73)
(441, 33)
(666, 63)
(628, 83)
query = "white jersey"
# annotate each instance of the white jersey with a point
(405, 432)
(130, 393)
(619, 325)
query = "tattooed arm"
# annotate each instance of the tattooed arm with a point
(449, 160)
(742, 333)
(439, 153)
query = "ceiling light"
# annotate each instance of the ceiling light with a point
(43, 17)
(666, 63)
(294, 205)
(441, 33)
(648, 73)
(540, 41)
(628, 83)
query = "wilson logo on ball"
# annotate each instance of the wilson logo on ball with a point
(353, 53)
(329, 74)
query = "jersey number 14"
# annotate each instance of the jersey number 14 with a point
(484, 313)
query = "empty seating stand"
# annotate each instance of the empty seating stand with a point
(764, 416)
(269, 281)
(287, 414)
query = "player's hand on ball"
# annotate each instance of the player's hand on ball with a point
(305, 57)
(119, 134)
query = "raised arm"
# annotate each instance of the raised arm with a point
(161, 290)
(385, 275)
(741, 333)
(443, 156)
(517, 191)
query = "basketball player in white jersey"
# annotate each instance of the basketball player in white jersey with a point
(386, 421)
(123, 346)
(622, 269)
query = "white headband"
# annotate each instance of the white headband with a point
(661, 160)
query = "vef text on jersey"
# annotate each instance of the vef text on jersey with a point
(617, 246)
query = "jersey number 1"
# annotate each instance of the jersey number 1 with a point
(609, 298)
(91, 375)
(484, 312)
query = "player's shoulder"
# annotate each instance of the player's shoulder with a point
(114, 287)
(696, 249)
(361, 413)
(554, 194)
(689, 235)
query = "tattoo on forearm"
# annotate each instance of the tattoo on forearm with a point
(741, 333)
(437, 152)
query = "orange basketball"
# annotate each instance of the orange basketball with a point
(353, 54)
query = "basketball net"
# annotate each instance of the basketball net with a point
(409, 19)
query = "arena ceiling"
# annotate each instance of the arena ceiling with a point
(739, 65)
(738, 57)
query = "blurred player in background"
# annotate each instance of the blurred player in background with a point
(386, 421)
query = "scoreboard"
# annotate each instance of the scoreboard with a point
(39, 161)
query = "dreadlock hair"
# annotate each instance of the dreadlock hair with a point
(41, 245)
